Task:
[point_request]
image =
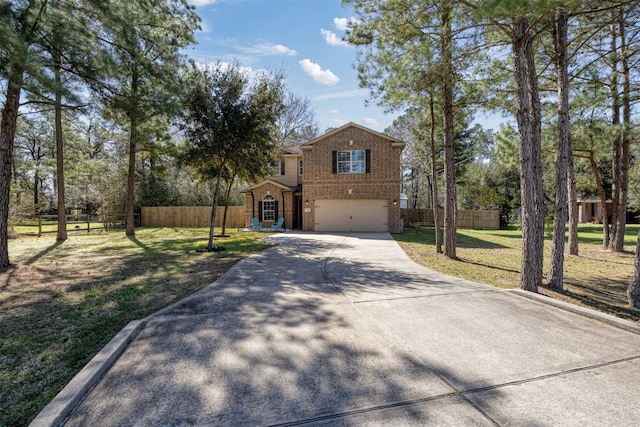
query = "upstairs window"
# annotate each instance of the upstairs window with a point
(300, 167)
(276, 168)
(351, 161)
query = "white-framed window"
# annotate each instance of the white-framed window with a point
(268, 208)
(351, 161)
(274, 168)
(300, 167)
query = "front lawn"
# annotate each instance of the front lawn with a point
(596, 278)
(61, 303)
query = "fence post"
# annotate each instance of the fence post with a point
(39, 225)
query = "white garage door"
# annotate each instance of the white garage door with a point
(352, 215)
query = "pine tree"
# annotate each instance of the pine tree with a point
(139, 48)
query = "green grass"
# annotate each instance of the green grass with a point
(596, 278)
(61, 303)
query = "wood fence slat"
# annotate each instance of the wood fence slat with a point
(191, 216)
(478, 220)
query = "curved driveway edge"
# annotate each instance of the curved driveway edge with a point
(346, 330)
(583, 311)
(55, 413)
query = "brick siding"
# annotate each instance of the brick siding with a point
(383, 181)
(319, 182)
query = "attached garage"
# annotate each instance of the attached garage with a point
(371, 215)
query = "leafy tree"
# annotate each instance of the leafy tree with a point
(229, 122)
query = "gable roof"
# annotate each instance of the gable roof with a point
(350, 125)
(268, 181)
(291, 150)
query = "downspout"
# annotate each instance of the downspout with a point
(253, 205)
(283, 211)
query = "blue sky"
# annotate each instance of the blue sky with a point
(300, 37)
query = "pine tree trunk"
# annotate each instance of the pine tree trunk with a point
(131, 179)
(573, 207)
(617, 244)
(7, 134)
(434, 179)
(62, 217)
(556, 269)
(530, 163)
(536, 149)
(616, 163)
(633, 290)
(450, 197)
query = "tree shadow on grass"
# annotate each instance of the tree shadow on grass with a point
(60, 307)
(490, 266)
(608, 298)
(427, 236)
(44, 252)
(138, 243)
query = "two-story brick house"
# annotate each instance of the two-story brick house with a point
(346, 180)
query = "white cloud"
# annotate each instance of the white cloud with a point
(268, 49)
(197, 3)
(339, 122)
(334, 111)
(371, 122)
(343, 23)
(325, 77)
(341, 95)
(332, 38)
(248, 72)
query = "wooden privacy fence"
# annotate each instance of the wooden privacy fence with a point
(478, 220)
(191, 216)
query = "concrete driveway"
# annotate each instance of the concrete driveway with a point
(346, 330)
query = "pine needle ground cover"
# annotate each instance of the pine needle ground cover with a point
(61, 303)
(596, 278)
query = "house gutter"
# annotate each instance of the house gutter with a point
(283, 215)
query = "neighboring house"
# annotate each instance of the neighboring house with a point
(590, 210)
(346, 180)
